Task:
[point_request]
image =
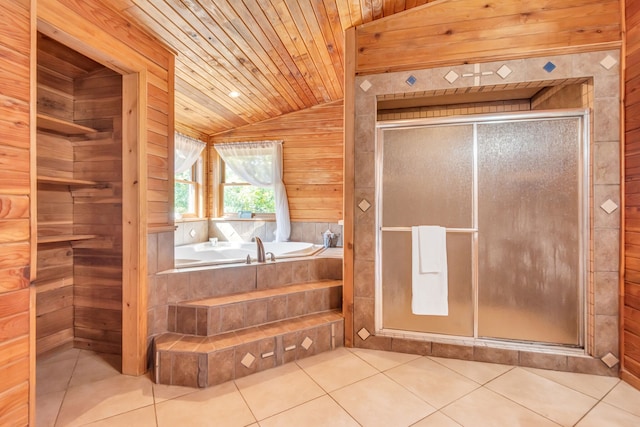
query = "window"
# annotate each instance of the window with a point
(188, 191)
(238, 195)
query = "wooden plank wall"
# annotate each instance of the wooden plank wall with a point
(98, 262)
(631, 301)
(54, 158)
(312, 157)
(442, 33)
(15, 68)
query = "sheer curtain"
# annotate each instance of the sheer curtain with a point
(260, 164)
(187, 151)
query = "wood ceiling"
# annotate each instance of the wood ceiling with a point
(279, 55)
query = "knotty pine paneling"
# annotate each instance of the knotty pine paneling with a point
(470, 31)
(312, 157)
(630, 334)
(15, 248)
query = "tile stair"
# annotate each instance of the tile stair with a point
(214, 340)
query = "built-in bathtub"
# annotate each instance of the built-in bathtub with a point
(208, 253)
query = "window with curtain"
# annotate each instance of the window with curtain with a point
(189, 172)
(255, 168)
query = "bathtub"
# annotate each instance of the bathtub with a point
(199, 254)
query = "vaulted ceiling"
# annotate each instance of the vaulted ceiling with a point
(278, 56)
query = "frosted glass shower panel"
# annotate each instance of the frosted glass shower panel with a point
(396, 287)
(529, 216)
(428, 176)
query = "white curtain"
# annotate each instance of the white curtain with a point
(260, 164)
(187, 151)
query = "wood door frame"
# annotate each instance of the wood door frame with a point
(134, 185)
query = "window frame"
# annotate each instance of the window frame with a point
(220, 196)
(197, 174)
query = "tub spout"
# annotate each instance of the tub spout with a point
(260, 250)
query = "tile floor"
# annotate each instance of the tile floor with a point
(345, 387)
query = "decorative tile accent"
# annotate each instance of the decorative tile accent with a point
(267, 354)
(608, 62)
(411, 80)
(451, 76)
(248, 360)
(609, 206)
(364, 334)
(549, 67)
(365, 85)
(610, 360)
(192, 233)
(504, 71)
(307, 343)
(364, 205)
(289, 348)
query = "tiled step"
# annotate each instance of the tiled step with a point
(216, 315)
(197, 361)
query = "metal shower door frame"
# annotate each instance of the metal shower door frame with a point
(584, 177)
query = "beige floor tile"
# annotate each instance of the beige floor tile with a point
(488, 409)
(479, 372)
(143, 417)
(47, 407)
(335, 369)
(383, 360)
(605, 415)
(54, 376)
(98, 400)
(432, 382)
(275, 390)
(221, 405)
(595, 386)
(162, 392)
(549, 399)
(71, 353)
(437, 419)
(93, 367)
(379, 401)
(320, 412)
(625, 397)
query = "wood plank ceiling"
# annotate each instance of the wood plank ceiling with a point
(280, 56)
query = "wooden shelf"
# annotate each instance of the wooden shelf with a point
(65, 181)
(65, 238)
(62, 126)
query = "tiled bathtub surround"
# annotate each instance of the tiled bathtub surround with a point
(244, 230)
(191, 232)
(600, 68)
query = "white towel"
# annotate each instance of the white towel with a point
(429, 271)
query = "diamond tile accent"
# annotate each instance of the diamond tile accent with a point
(248, 360)
(364, 205)
(549, 67)
(610, 360)
(608, 62)
(365, 85)
(451, 76)
(192, 233)
(411, 80)
(364, 334)
(609, 206)
(504, 71)
(307, 343)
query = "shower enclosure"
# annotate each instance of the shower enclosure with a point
(512, 191)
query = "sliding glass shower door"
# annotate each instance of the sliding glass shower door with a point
(511, 192)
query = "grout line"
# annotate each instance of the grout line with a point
(66, 390)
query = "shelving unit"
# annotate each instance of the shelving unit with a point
(79, 202)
